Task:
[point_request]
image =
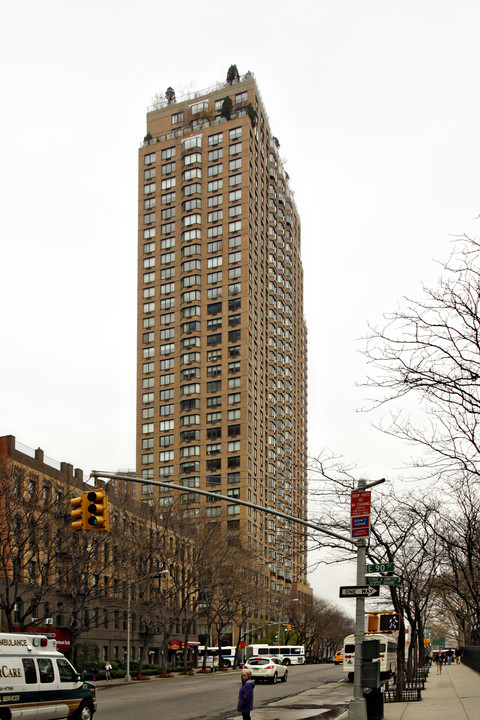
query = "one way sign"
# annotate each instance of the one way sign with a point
(350, 591)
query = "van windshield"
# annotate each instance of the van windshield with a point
(66, 671)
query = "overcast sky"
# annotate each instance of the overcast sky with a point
(377, 110)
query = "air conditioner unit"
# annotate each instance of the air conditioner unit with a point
(48, 621)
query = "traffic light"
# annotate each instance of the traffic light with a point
(288, 626)
(390, 621)
(97, 510)
(79, 512)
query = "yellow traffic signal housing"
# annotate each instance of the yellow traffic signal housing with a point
(79, 512)
(97, 510)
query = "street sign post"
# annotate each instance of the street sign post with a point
(383, 580)
(356, 591)
(360, 526)
(360, 503)
(381, 567)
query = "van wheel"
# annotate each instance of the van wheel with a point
(84, 712)
(3, 716)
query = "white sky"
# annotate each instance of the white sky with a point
(377, 110)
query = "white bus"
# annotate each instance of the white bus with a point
(228, 656)
(388, 654)
(291, 654)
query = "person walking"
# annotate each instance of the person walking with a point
(94, 670)
(439, 662)
(108, 671)
(458, 655)
(245, 695)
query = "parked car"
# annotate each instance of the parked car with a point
(338, 660)
(330, 659)
(267, 668)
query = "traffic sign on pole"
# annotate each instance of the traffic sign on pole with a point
(349, 591)
(361, 526)
(381, 567)
(360, 503)
(383, 580)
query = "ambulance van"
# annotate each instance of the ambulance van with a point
(38, 683)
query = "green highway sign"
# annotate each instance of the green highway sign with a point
(381, 567)
(383, 580)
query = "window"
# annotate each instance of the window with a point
(233, 430)
(187, 420)
(233, 509)
(233, 478)
(192, 158)
(147, 428)
(214, 417)
(234, 304)
(214, 170)
(235, 257)
(216, 138)
(149, 248)
(191, 189)
(45, 669)
(234, 383)
(148, 189)
(191, 404)
(167, 364)
(234, 196)
(189, 235)
(233, 446)
(212, 308)
(189, 250)
(189, 358)
(214, 277)
(191, 311)
(167, 228)
(168, 198)
(167, 273)
(168, 168)
(149, 158)
(214, 401)
(235, 164)
(190, 389)
(235, 148)
(193, 173)
(149, 218)
(215, 511)
(212, 386)
(212, 371)
(191, 296)
(241, 97)
(215, 200)
(214, 231)
(215, 185)
(190, 451)
(149, 174)
(234, 335)
(214, 155)
(167, 258)
(215, 324)
(214, 339)
(234, 211)
(235, 133)
(190, 373)
(233, 398)
(235, 226)
(191, 265)
(194, 219)
(168, 153)
(192, 204)
(235, 180)
(215, 216)
(168, 183)
(167, 243)
(192, 142)
(190, 342)
(190, 280)
(149, 277)
(234, 414)
(199, 107)
(168, 213)
(167, 288)
(167, 379)
(177, 118)
(166, 395)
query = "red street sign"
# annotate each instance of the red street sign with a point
(360, 503)
(361, 526)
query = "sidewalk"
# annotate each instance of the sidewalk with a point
(453, 695)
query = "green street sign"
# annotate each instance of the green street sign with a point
(381, 567)
(383, 580)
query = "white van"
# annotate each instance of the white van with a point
(38, 683)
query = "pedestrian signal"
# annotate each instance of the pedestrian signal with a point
(97, 510)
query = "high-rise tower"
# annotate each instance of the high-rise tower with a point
(222, 376)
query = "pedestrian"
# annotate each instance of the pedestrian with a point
(439, 662)
(458, 655)
(449, 654)
(245, 695)
(108, 671)
(94, 670)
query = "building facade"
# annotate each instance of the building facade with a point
(222, 361)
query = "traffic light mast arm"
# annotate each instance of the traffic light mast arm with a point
(95, 474)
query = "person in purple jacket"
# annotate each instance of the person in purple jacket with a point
(245, 695)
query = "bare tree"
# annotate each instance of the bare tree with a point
(430, 349)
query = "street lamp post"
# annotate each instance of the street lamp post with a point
(161, 573)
